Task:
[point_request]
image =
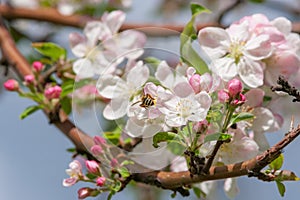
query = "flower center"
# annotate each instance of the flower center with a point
(184, 107)
(236, 50)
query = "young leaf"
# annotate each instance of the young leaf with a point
(29, 110)
(163, 137)
(67, 87)
(124, 172)
(71, 150)
(217, 136)
(66, 105)
(277, 163)
(50, 49)
(127, 162)
(240, 117)
(198, 192)
(281, 188)
(187, 53)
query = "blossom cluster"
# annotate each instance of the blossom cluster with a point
(254, 49)
(102, 48)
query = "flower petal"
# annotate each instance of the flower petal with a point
(225, 67)
(110, 86)
(251, 73)
(165, 75)
(116, 109)
(138, 75)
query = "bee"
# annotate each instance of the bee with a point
(146, 101)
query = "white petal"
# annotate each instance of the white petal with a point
(261, 141)
(258, 48)
(204, 100)
(165, 75)
(138, 75)
(230, 187)
(283, 25)
(83, 68)
(225, 67)
(116, 109)
(110, 86)
(114, 20)
(80, 50)
(251, 73)
(264, 120)
(183, 89)
(92, 31)
(214, 41)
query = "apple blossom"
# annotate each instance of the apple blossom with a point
(86, 192)
(96, 150)
(236, 51)
(75, 173)
(99, 140)
(122, 90)
(223, 96)
(11, 85)
(103, 58)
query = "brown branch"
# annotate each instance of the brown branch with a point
(81, 141)
(171, 180)
(53, 16)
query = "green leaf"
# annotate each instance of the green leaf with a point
(29, 110)
(277, 163)
(66, 105)
(163, 137)
(71, 150)
(176, 147)
(198, 9)
(257, 1)
(113, 136)
(241, 117)
(281, 188)
(127, 162)
(198, 192)
(124, 172)
(91, 176)
(49, 49)
(116, 187)
(217, 136)
(187, 52)
(67, 87)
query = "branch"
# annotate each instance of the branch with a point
(171, 180)
(53, 16)
(16, 59)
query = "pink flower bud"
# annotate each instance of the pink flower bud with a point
(223, 96)
(241, 100)
(29, 79)
(96, 150)
(100, 181)
(85, 192)
(38, 66)
(11, 85)
(234, 86)
(53, 92)
(114, 163)
(99, 140)
(195, 83)
(92, 166)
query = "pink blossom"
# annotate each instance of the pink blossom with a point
(100, 181)
(11, 85)
(29, 79)
(53, 92)
(97, 150)
(92, 166)
(38, 66)
(195, 83)
(75, 173)
(240, 100)
(234, 87)
(223, 96)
